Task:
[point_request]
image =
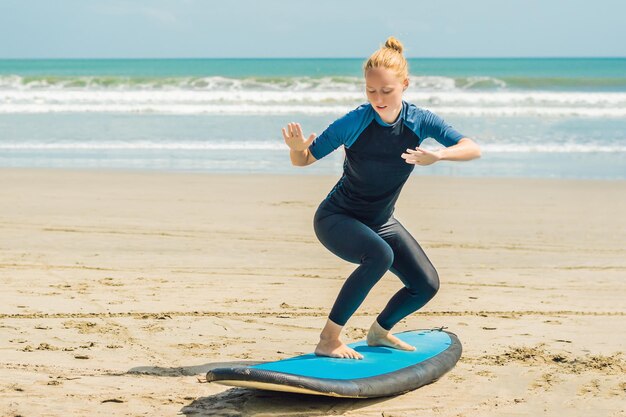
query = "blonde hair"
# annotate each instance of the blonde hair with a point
(389, 56)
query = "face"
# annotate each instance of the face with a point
(384, 92)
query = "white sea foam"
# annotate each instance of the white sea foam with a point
(309, 97)
(552, 104)
(256, 109)
(297, 95)
(215, 145)
(218, 83)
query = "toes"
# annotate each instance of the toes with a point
(356, 355)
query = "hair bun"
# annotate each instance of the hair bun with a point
(393, 43)
(389, 56)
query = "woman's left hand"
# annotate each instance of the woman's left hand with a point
(420, 156)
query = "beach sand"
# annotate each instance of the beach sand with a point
(121, 289)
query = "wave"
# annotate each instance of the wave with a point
(331, 95)
(278, 145)
(308, 97)
(148, 145)
(257, 109)
(213, 83)
(305, 83)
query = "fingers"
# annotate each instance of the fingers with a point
(414, 158)
(419, 156)
(294, 132)
(417, 150)
(424, 159)
(411, 156)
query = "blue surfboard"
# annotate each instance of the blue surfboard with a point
(382, 372)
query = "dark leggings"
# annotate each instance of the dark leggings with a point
(377, 250)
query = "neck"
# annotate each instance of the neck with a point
(392, 119)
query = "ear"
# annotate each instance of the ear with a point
(406, 84)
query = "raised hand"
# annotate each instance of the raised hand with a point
(420, 156)
(294, 138)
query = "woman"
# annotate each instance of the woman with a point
(382, 144)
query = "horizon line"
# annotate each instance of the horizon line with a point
(299, 58)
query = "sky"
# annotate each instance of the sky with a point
(310, 28)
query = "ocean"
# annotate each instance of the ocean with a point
(537, 118)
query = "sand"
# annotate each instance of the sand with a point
(121, 289)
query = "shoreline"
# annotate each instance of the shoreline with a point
(297, 172)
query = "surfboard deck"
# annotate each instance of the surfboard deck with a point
(382, 372)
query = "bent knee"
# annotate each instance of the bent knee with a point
(428, 285)
(432, 279)
(432, 282)
(381, 256)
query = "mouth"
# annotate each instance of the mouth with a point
(381, 107)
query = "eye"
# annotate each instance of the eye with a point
(387, 91)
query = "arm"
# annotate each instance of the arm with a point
(457, 146)
(301, 158)
(465, 150)
(342, 131)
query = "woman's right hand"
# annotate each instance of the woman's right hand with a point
(295, 139)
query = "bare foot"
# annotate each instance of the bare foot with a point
(335, 348)
(378, 336)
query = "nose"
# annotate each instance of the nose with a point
(377, 98)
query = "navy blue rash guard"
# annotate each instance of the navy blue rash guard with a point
(356, 222)
(374, 171)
